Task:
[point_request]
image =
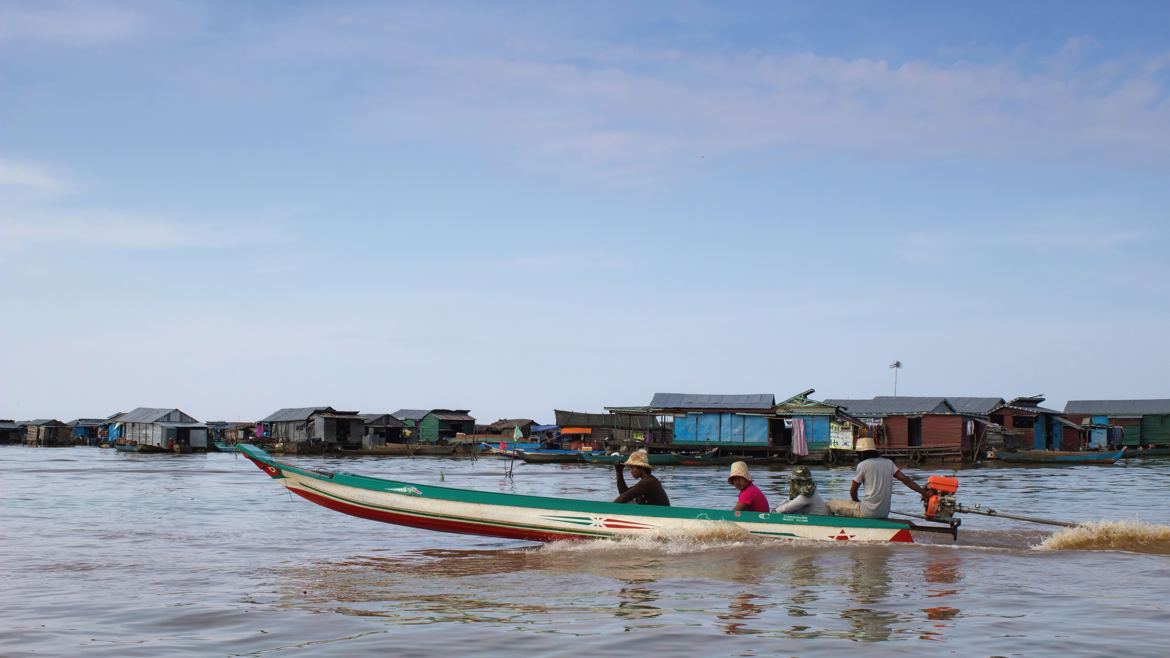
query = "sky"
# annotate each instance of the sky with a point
(512, 208)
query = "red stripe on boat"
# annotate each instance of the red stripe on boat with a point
(441, 525)
(903, 535)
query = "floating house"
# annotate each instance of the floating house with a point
(1143, 422)
(578, 429)
(381, 429)
(918, 427)
(312, 425)
(507, 426)
(827, 428)
(433, 425)
(86, 430)
(10, 431)
(716, 420)
(545, 433)
(47, 432)
(161, 429)
(1028, 426)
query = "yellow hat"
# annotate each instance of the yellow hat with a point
(739, 469)
(863, 444)
(639, 458)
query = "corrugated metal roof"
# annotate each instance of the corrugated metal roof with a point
(1118, 407)
(44, 421)
(611, 421)
(763, 401)
(544, 428)
(411, 414)
(8, 425)
(144, 415)
(381, 420)
(454, 415)
(980, 406)
(891, 405)
(294, 413)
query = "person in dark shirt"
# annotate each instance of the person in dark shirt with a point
(648, 490)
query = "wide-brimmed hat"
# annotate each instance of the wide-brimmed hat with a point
(864, 444)
(639, 458)
(739, 469)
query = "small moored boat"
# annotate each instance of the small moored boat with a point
(656, 459)
(549, 456)
(539, 518)
(1058, 457)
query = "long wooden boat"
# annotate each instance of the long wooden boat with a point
(1060, 457)
(656, 459)
(550, 456)
(224, 446)
(539, 518)
(712, 458)
(127, 447)
(1154, 451)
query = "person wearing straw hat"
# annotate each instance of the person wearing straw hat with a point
(802, 495)
(877, 475)
(648, 490)
(751, 499)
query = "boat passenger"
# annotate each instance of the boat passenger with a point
(802, 495)
(751, 498)
(648, 490)
(877, 474)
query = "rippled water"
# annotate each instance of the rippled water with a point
(107, 554)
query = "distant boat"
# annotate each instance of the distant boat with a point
(1058, 457)
(712, 458)
(224, 446)
(550, 456)
(656, 459)
(541, 518)
(136, 447)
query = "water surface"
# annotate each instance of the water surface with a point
(108, 554)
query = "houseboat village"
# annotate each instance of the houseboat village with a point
(687, 429)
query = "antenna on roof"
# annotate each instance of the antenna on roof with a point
(897, 365)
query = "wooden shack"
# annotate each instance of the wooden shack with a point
(1145, 423)
(47, 433)
(312, 425)
(1029, 426)
(9, 432)
(922, 427)
(435, 425)
(382, 429)
(161, 429)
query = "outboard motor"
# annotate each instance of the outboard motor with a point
(941, 505)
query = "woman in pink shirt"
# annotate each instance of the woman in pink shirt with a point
(750, 496)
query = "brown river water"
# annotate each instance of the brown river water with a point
(107, 554)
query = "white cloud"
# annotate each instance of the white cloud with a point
(67, 23)
(30, 176)
(102, 230)
(649, 110)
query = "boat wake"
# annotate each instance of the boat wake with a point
(674, 542)
(1134, 536)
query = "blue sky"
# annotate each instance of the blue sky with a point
(515, 207)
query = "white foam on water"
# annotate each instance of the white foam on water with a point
(1133, 536)
(715, 536)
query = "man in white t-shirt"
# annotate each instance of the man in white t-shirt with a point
(876, 474)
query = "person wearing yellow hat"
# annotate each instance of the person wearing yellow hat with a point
(648, 490)
(751, 499)
(877, 475)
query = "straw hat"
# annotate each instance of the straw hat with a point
(739, 469)
(639, 458)
(864, 444)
